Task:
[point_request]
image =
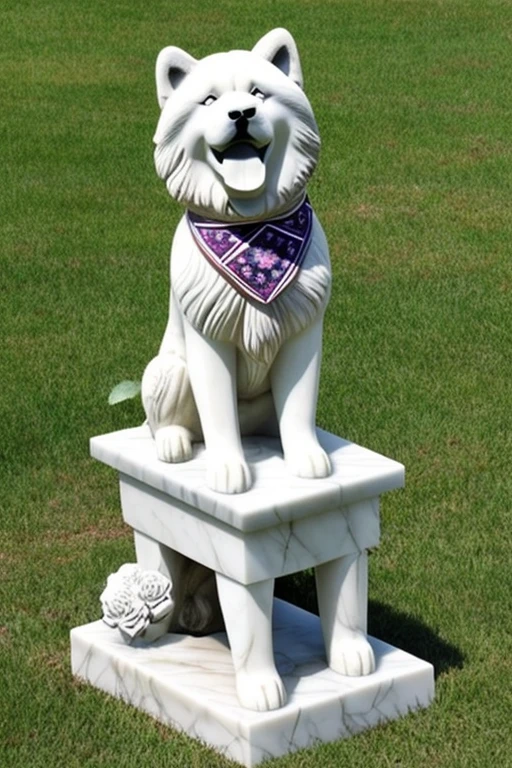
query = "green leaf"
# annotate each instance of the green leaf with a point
(125, 390)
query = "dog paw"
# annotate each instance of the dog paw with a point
(173, 444)
(228, 475)
(260, 692)
(308, 461)
(353, 656)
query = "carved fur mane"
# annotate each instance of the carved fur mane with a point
(218, 311)
(194, 119)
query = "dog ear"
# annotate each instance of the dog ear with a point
(279, 47)
(172, 66)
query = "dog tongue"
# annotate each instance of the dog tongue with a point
(242, 168)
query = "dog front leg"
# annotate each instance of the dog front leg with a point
(212, 371)
(342, 590)
(247, 611)
(294, 379)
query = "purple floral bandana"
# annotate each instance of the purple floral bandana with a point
(259, 259)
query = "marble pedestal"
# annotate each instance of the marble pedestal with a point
(189, 683)
(283, 525)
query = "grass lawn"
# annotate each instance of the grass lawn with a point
(414, 189)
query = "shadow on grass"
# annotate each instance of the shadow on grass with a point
(412, 635)
(394, 627)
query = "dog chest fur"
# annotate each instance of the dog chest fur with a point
(213, 307)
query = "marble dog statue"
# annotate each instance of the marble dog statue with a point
(236, 143)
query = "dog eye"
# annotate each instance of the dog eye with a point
(259, 94)
(209, 100)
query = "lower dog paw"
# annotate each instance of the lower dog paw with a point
(228, 475)
(173, 444)
(308, 461)
(261, 692)
(353, 656)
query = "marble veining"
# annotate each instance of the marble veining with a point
(189, 684)
(241, 564)
(221, 522)
(274, 551)
(276, 496)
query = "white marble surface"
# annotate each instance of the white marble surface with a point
(276, 496)
(231, 336)
(189, 684)
(248, 557)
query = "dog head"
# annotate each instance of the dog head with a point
(237, 138)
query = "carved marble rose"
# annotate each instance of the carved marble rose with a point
(135, 598)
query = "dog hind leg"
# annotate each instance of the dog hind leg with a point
(170, 407)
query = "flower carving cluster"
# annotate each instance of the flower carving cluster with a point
(135, 598)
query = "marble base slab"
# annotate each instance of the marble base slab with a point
(188, 683)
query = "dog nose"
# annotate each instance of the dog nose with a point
(236, 114)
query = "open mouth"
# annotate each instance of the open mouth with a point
(241, 165)
(240, 149)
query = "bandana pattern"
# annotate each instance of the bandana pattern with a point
(258, 259)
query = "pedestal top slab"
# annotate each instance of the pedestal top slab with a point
(276, 495)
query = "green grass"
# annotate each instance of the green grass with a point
(414, 190)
